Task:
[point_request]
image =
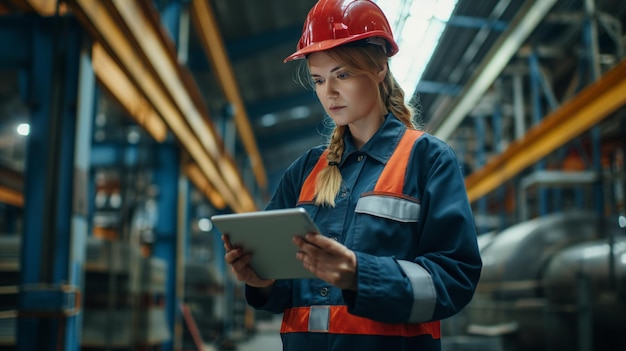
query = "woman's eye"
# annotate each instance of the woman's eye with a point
(317, 81)
(343, 75)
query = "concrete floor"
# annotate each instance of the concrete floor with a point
(267, 337)
(262, 341)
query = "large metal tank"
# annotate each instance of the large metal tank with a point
(591, 277)
(541, 278)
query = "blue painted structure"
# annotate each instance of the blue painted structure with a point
(55, 191)
(166, 175)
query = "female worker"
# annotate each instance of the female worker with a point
(398, 251)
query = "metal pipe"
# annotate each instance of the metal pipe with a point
(518, 106)
(496, 59)
(574, 117)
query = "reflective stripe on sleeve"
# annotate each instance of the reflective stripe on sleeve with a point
(390, 207)
(340, 321)
(424, 294)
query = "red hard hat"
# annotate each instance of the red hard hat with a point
(331, 23)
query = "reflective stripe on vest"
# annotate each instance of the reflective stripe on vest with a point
(337, 320)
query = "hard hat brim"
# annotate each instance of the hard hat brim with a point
(333, 43)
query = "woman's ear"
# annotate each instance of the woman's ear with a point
(380, 76)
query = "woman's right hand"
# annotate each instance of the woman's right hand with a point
(239, 262)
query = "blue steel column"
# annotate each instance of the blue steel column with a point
(81, 198)
(166, 175)
(590, 37)
(554, 195)
(184, 233)
(479, 125)
(497, 141)
(55, 190)
(170, 18)
(167, 244)
(535, 89)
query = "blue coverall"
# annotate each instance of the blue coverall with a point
(417, 256)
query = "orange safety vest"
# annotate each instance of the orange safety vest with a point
(340, 321)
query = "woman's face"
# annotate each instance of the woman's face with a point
(348, 99)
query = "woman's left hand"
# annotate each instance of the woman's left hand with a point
(328, 260)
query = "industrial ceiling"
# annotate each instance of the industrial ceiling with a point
(230, 55)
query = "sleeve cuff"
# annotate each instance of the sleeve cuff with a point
(276, 300)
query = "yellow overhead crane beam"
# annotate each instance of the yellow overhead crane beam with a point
(586, 109)
(128, 35)
(118, 84)
(42, 7)
(209, 33)
(115, 81)
(11, 187)
(11, 196)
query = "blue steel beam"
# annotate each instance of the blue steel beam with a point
(16, 48)
(51, 262)
(170, 18)
(35, 185)
(431, 87)
(476, 22)
(166, 175)
(113, 155)
(117, 155)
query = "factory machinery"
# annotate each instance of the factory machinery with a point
(557, 282)
(124, 297)
(122, 300)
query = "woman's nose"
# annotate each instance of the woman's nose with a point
(330, 89)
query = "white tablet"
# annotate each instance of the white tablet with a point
(268, 235)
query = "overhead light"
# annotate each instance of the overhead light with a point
(300, 112)
(115, 200)
(23, 129)
(417, 27)
(133, 136)
(205, 224)
(268, 120)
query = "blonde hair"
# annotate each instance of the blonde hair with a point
(367, 60)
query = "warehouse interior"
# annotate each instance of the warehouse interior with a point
(126, 124)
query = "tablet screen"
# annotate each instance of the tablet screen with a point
(268, 235)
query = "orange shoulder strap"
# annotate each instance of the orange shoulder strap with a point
(391, 179)
(307, 192)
